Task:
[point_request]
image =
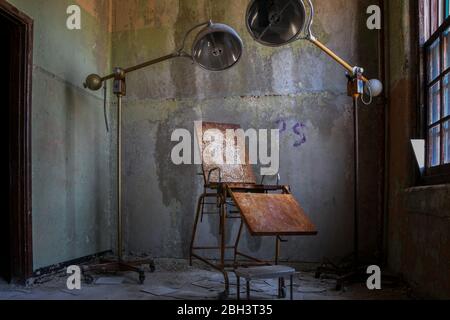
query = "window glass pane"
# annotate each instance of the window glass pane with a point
(447, 95)
(434, 64)
(434, 104)
(447, 142)
(446, 48)
(435, 146)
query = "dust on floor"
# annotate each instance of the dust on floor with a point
(171, 282)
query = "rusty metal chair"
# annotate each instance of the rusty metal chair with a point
(266, 210)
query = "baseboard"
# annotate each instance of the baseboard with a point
(60, 266)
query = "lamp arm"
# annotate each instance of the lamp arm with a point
(321, 46)
(179, 53)
(154, 61)
(145, 64)
(335, 57)
(310, 20)
(189, 32)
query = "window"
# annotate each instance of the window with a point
(436, 47)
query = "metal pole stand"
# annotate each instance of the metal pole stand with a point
(344, 273)
(118, 264)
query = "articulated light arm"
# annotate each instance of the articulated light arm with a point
(335, 57)
(374, 86)
(94, 82)
(321, 46)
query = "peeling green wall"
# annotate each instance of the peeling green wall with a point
(70, 148)
(74, 158)
(296, 84)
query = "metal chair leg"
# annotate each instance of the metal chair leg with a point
(223, 229)
(281, 288)
(238, 284)
(194, 231)
(238, 239)
(292, 287)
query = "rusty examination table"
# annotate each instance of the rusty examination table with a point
(233, 194)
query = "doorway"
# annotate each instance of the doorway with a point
(5, 263)
(16, 31)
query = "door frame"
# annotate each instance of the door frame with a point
(21, 245)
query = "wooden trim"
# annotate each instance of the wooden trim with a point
(20, 142)
(418, 21)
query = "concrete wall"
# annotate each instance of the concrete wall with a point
(296, 84)
(419, 217)
(74, 157)
(71, 154)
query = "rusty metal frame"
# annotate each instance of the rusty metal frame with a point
(223, 192)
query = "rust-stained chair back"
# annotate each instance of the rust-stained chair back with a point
(265, 210)
(219, 171)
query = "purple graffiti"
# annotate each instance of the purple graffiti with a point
(298, 129)
(300, 142)
(283, 127)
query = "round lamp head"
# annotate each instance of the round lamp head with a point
(217, 47)
(275, 22)
(93, 82)
(376, 87)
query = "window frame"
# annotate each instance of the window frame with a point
(440, 173)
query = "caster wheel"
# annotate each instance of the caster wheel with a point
(223, 295)
(152, 268)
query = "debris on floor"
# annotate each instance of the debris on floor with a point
(109, 280)
(159, 290)
(178, 281)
